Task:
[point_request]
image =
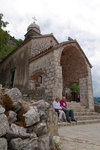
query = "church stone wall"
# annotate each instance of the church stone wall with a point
(46, 65)
(41, 44)
(17, 61)
(52, 77)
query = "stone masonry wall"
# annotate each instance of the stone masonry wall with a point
(17, 61)
(26, 125)
(46, 64)
(41, 44)
(86, 91)
(83, 85)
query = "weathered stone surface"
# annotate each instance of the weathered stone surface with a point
(31, 117)
(27, 144)
(39, 129)
(16, 97)
(43, 115)
(43, 143)
(47, 105)
(12, 117)
(52, 122)
(17, 131)
(4, 125)
(2, 110)
(40, 104)
(3, 144)
(30, 126)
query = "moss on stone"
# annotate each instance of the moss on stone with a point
(8, 103)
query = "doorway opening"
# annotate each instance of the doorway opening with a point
(12, 78)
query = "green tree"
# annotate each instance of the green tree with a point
(2, 23)
(74, 88)
(7, 42)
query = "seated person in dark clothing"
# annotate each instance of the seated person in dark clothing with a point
(68, 112)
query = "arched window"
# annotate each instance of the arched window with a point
(39, 79)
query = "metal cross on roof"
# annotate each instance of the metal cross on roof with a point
(34, 19)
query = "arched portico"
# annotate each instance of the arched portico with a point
(76, 69)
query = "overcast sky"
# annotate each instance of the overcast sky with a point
(79, 19)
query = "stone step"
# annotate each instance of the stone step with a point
(85, 113)
(73, 103)
(88, 121)
(89, 117)
(76, 108)
(79, 122)
(80, 110)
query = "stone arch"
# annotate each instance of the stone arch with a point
(74, 69)
(74, 65)
(36, 74)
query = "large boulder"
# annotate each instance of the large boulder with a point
(42, 105)
(31, 117)
(13, 99)
(26, 144)
(3, 144)
(12, 117)
(17, 131)
(43, 115)
(52, 122)
(4, 125)
(2, 109)
(39, 129)
(43, 143)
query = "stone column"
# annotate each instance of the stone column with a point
(83, 83)
(86, 91)
(58, 87)
(90, 91)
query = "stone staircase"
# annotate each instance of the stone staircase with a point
(82, 115)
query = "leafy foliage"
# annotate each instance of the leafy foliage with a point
(7, 42)
(74, 87)
(2, 23)
(97, 100)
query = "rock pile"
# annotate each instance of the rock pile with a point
(25, 125)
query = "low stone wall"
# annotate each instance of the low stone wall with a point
(97, 108)
(26, 125)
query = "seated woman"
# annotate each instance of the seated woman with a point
(58, 109)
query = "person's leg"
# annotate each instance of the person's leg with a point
(56, 110)
(67, 114)
(60, 115)
(63, 116)
(72, 115)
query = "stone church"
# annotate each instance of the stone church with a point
(43, 68)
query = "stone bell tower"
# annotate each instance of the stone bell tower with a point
(32, 30)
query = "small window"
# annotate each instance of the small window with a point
(39, 79)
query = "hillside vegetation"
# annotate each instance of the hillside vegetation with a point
(7, 42)
(97, 100)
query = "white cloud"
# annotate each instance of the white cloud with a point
(76, 18)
